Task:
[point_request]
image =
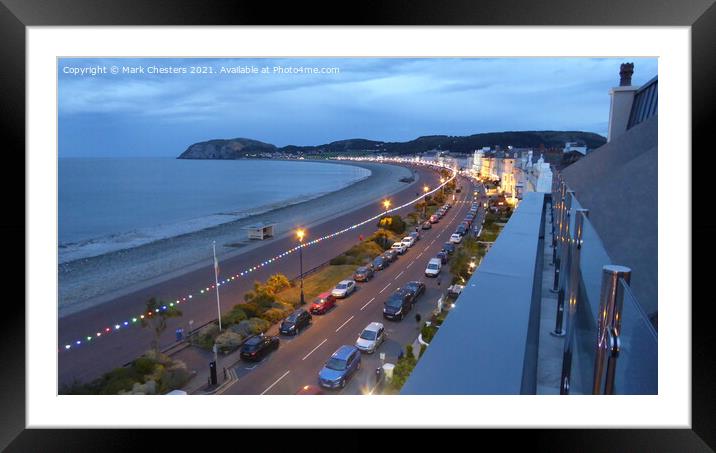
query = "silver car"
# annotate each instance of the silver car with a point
(344, 288)
(371, 337)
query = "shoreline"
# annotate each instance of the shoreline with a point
(85, 248)
(89, 282)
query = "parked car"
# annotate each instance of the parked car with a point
(397, 305)
(461, 230)
(456, 238)
(296, 321)
(434, 219)
(340, 367)
(408, 241)
(427, 225)
(310, 390)
(449, 247)
(443, 255)
(371, 337)
(322, 303)
(391, 255)
(344, 288)
(415, 235)
(363, 274)
(257, 347)
(433, 267)
(380, 263)
(455, 290)
(399, 247)
(416, 288)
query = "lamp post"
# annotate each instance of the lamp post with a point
(386, 205)
(426, 189)
(300, 233)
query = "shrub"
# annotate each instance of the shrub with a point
(228, 341)
(273, 315)
(174, 377)
(403, 369)
(236, 315)
(392, 223)
(144, 366)
(428, 332)
(251, 326)
(204, 337)
(276, 283)
(251, 310)
(422, 350)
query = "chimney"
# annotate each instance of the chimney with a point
(622, 98)
(625, 72)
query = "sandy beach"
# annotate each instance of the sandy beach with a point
(89, 282)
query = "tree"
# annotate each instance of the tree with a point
(157, 320)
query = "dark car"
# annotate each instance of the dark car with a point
(391, 255)
(415, 235)
(461, 230)
(295, 322)
(258, 346)
(443, 257)
(363, 274)
(416, 288)
(322, 303)
(398, 305)
(427, 225)
(380, 263)
(449, 247)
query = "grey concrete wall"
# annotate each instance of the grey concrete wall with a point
(618, 183)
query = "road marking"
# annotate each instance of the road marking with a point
(421, 254)
(344, 324)
(386, 287)
(251, 368)
(396, 277)
(363, 307)
(411, 263)
(432, 242)
(271, 386)
(312, 350)
(427, 247)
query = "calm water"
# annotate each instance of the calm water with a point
(111, 203)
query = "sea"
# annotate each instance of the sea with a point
(110, 204)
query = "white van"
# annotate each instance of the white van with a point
(433, 268)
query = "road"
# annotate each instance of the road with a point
(299, 359)
(117, 347)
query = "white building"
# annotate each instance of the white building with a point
(574, 146)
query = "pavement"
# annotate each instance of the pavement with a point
(299, 359)
(115, 349)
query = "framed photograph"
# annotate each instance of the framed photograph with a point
(430, 217)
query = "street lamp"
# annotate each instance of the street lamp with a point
(426, 189)
(386, 205)
(300, 233)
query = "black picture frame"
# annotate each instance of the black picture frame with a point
(16, 15)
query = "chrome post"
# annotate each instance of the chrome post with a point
(563, 263)
(609, 325)
(575, 248)
(558, 239)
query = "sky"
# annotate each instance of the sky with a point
(155, 113)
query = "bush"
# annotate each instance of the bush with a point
(277, 283)
(235, 316)
(174, 377)
(144, 366)
(251, 326)
(392, 223)
(229, 341)
(402, 370)
(428, 332)
(274, 315)
(204, 337)
(422, 350)
(251, 310)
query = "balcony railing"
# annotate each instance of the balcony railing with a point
(610, 345)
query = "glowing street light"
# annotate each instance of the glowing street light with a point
(426, 189)
(300, 234)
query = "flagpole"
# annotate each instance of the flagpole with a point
(216, 281)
